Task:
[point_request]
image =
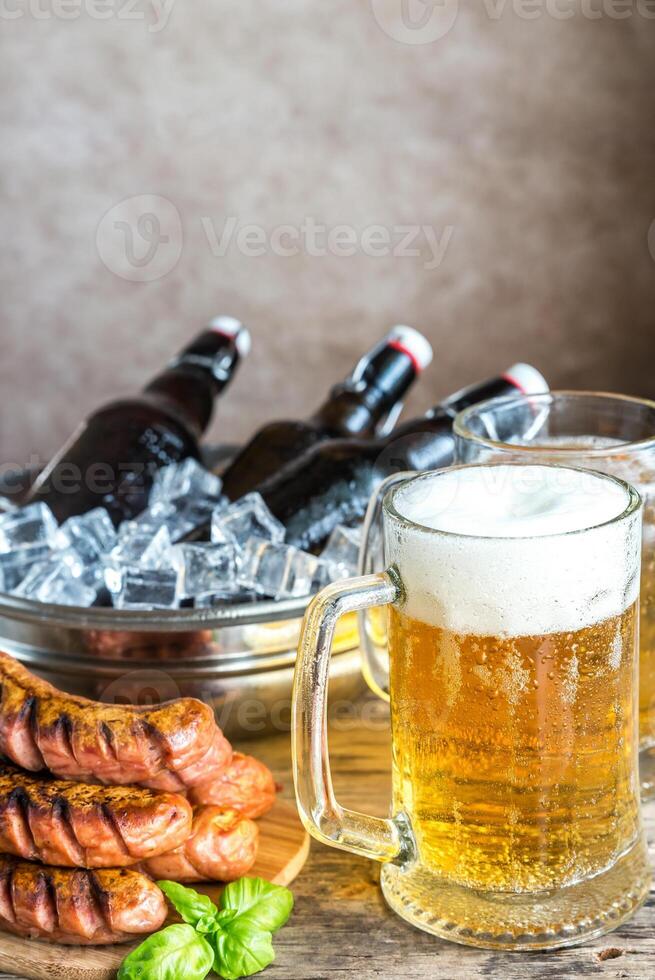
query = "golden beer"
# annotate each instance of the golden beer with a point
(513, 756)
(647, 647)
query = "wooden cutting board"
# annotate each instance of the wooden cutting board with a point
(283, 850)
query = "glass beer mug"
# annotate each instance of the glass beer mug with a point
(512, 596)
(611, 433)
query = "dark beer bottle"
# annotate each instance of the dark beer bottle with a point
(353, 408)
(332, 482)
(111, 460)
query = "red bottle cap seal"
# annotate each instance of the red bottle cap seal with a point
(408, 340)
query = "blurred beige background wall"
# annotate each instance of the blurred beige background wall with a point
(483, 170)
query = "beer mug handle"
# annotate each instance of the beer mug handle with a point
(375, 660)
(329, 822)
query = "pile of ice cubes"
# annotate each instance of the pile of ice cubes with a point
(146, 564)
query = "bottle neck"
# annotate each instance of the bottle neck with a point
(491, 388)
(428, 442)
(195, 377)
(358, 404)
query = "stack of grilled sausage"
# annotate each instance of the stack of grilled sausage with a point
(96, 800)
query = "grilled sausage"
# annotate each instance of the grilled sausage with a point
(222, 847)
(72, 824)
(246, 785)
(77, 907)
(216, 758)
(41, 728)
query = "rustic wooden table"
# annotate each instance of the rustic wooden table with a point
(341, 928)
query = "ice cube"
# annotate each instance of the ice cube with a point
(6, 505)
(341, 552)
(94, 576)
(71, 558)
(56, 580)
(323, 575)
(191, 514)
(34, 524)
(91, 535)
(180, 517)
(247, 518)
(277, 570)
(14, 565)
(146, 588)
(187, 479)
(221, 535)
(127, 528)
(152, 518)
(206, 567)
(142, 545)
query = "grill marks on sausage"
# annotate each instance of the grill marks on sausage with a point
(77, 906)
(19, 736)
(66, 823)
(18, 828)
(107, 742)
(56, 833)
(32, 725)
(171, 745)
(62, 732)
(111, 823)
(33, 904)
(81, 914)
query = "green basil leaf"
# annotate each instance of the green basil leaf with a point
(225, 916)
(208, 923)
(191, 905)
(241, 950)
(257, 903)
(175, 952)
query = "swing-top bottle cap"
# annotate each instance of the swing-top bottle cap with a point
(411, 342)
(229, 326)
(527, 379)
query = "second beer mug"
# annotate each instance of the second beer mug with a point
(513, 597)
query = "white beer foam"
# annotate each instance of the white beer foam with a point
(525, 553)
